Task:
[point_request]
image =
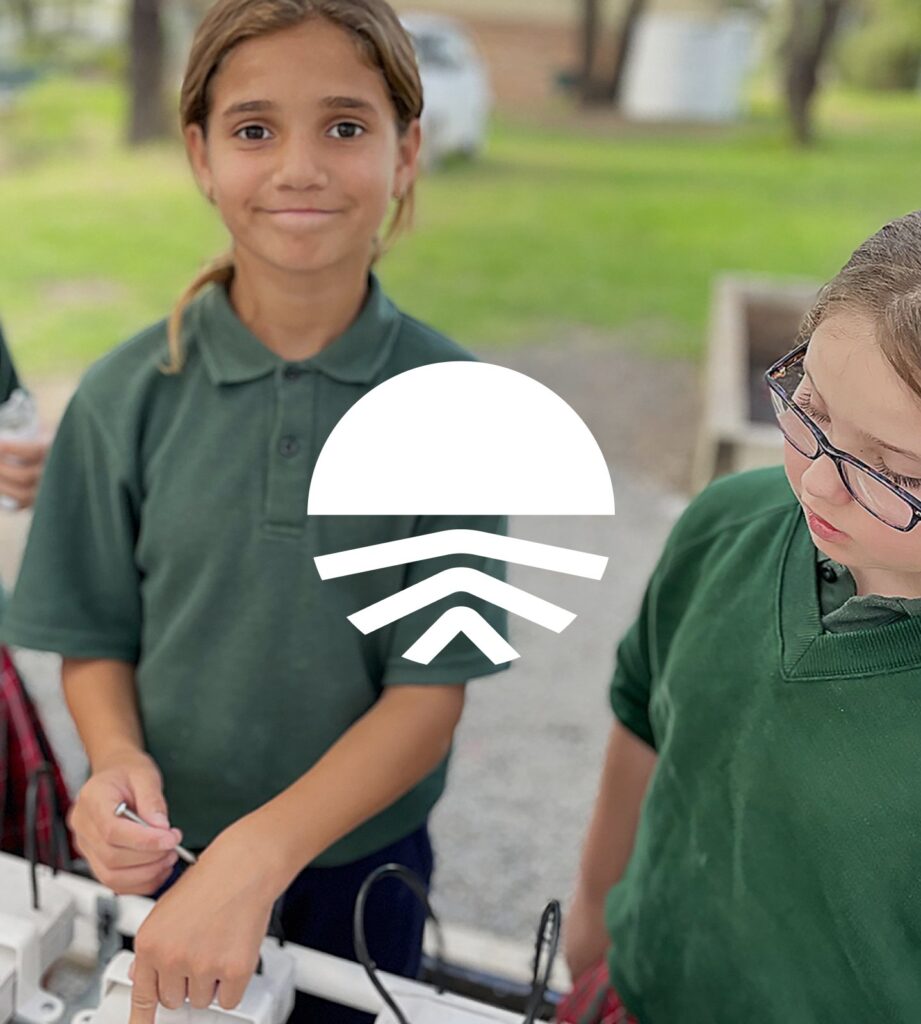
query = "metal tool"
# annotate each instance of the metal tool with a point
(124, 811)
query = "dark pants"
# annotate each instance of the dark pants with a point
(317, 913)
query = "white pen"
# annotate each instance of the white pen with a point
(124, 811)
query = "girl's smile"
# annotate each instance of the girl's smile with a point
(306, 218)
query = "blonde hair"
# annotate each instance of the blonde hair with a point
(882, 280)
(381, 40)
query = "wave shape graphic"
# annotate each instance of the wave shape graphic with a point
(461, 580)
(461, 542)
(461, 620)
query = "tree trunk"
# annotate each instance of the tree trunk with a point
(26, 15)
(812, 28)
(626, 32)
(147, 119)
(591, 30)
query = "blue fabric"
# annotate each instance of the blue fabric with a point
(317, 913)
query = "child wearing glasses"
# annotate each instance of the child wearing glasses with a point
(754, 849)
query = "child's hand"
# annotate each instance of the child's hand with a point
(127, 857)
(585, 940)
(201, 940)
(21, 465)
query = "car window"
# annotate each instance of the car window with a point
(444, 52)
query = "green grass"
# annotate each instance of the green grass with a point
(620, 231)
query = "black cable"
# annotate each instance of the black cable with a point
(415, 883)
(59, 854)
(276, 927)
(550, 921)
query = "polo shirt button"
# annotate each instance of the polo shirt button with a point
(292, 373)
(289, 446)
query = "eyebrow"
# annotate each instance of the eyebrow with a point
(347, 102)
(870, 437)
(250, 107)
(330, 102)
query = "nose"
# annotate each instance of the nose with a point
(822, 480)
(300, 165)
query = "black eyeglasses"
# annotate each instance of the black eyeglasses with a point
(883, 499)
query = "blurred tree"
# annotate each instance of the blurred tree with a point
(591, 40)
(883, 49)
(626, 30)
(812, 28)
(146, 73)
(595, 86)
(27, 16)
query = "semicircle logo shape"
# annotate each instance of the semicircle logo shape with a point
(461, 438)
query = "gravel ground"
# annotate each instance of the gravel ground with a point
(528, 752)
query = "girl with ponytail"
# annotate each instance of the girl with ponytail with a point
(171, 561)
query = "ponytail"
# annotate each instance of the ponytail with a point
(219, 271)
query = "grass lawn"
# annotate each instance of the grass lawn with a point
(620, 231)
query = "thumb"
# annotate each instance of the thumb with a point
(149, 801)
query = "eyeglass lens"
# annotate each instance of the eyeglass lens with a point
(874, 495)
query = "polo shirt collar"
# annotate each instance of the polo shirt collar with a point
(232, 354)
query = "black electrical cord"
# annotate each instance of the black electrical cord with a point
(415, 883)
(548, 936)
(59, 854)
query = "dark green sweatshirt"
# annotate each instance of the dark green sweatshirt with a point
(776, 875)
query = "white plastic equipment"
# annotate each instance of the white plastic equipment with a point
(269, 996)
(31, 941)
(268, 999)
(442, 1008)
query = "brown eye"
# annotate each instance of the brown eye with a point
(346, 130)
(252, 133)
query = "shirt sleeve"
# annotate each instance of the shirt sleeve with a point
(78, 590)
(460, 660)
(9, 382)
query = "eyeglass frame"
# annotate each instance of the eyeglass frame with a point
(836, 455)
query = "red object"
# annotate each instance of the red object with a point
(593, 1001)
(24, 749)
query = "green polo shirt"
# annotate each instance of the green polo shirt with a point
(9, 382)
(843, 609)
(774, 877)
(171, 532)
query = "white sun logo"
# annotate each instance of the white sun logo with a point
(461, 438)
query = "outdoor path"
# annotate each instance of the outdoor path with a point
(528, 752)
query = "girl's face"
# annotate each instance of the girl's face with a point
(302, 155)
(852, 393)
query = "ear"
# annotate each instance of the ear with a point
(407, 167)
(196, 147)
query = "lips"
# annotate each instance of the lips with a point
(298, 210)
(300, 218)
(822, 528)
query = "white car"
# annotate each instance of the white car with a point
(458, 98)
